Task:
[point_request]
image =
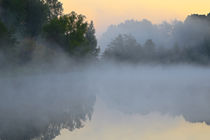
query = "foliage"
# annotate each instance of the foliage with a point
(24, 16)
(124, 48)
(72, 33)
(55, 8)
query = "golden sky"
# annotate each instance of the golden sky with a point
(106, 12)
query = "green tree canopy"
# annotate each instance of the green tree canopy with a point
(55, 8)
(73, 33)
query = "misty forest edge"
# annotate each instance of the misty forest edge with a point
(36, 30)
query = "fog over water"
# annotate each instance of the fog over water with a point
(148, 102)
(128, 95)
(175, 90)
(38, 103)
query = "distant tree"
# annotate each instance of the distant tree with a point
(123, 48)
(149, 47)
(149, 44)
(201, 53)
(205, 48)
(192, 18)
(149, 50)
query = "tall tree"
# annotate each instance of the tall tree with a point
(73, 33)
(91, 39)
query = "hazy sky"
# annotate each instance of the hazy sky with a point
(106, 12)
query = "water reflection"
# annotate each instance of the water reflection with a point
(108, 124)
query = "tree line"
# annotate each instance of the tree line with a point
(192, 49)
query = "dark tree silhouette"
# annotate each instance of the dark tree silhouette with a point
(55, 8)
(123, 48)
(24, 16)
(72, 33)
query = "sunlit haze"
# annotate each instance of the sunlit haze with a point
(106, 12)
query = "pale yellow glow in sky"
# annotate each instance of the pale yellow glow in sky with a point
(109, 124)
(106, 12)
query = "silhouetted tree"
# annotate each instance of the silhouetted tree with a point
(91, 41)
(149, 50)
(72, 33)
(123, 48)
